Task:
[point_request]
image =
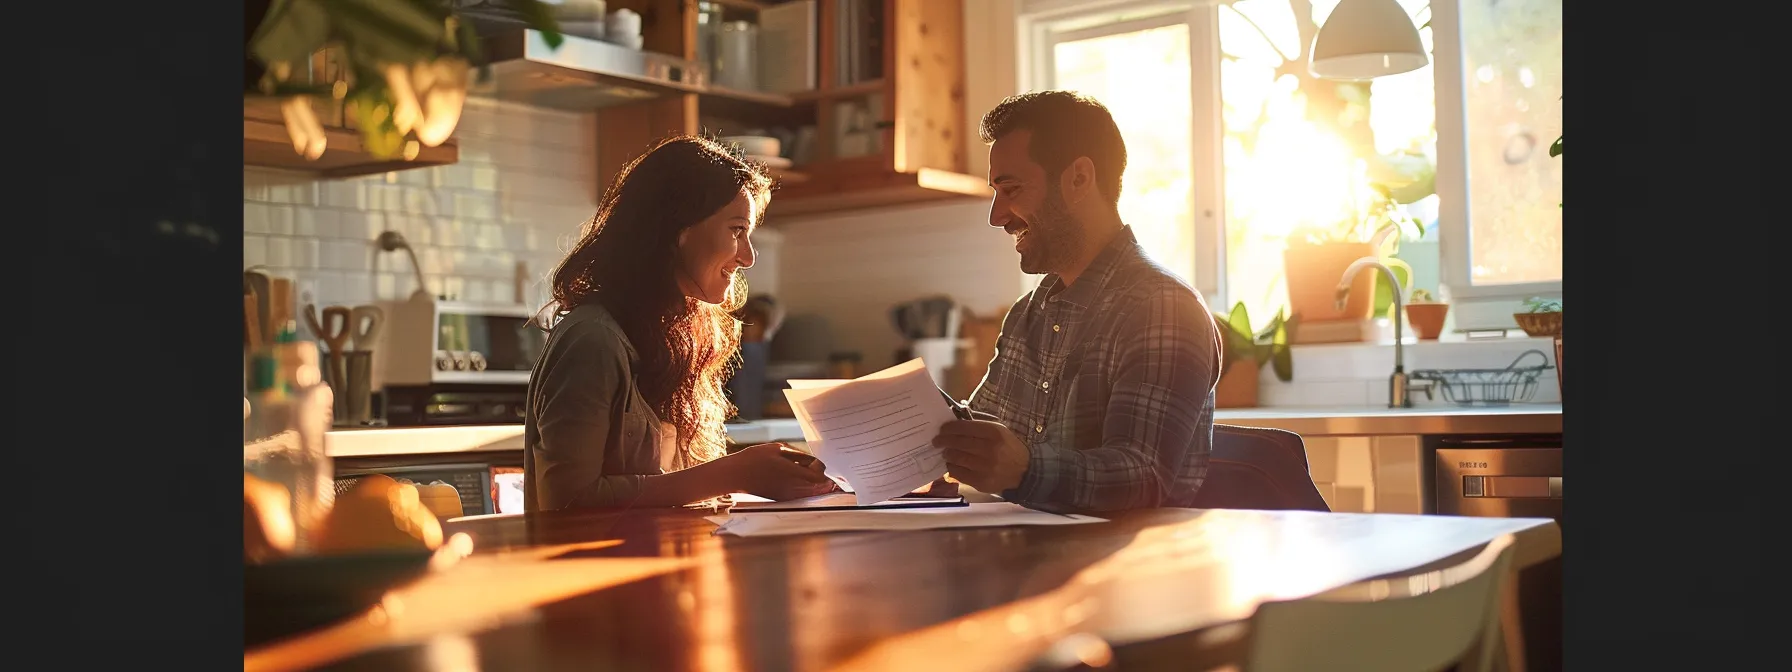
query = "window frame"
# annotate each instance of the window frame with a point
(1455, 246)
(1484, 307)
(1035, 25)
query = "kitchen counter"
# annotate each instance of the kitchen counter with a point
(1306, 421)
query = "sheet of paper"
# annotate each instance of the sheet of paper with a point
(978, 514)
(874, 433)
(834, 500)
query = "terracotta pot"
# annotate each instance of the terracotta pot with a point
(1238, 385)
(1427, 319)
(1313, 273)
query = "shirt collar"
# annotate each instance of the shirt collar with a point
(1083, 292)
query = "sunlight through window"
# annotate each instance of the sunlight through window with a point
(1302, 153)
(1143, 79)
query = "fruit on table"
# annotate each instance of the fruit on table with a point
(441, 498)
(379, 513)
(268, 529)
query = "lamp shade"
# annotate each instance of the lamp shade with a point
(1365, 39)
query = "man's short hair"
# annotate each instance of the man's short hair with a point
(1065, 125)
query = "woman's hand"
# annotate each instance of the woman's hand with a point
(775, 472)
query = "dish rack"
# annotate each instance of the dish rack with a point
(1488, 387)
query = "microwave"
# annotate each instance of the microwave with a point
(429, 342)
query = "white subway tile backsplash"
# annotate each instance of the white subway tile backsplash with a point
(490, 237)
(345, 194)
(473, 205)
(475, 291)
(280, 252)
(386, 287)
(280, 220)
(255, 217)
(321, 232)
(255, 250)
(306, 253)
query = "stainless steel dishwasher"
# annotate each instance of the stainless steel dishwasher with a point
(1509, 476)
(1499, 476)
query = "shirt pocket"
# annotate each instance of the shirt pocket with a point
(640, 449)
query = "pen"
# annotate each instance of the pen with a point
(958, 409)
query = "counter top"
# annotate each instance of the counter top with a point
(1306, 421)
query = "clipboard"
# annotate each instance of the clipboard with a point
(843, 501)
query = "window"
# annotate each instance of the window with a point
(1506, 103)
(1233, 147)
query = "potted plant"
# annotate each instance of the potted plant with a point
(1317, 256)
(397, 70)
(1246, 351)
(1426, 315)
(1541, 318)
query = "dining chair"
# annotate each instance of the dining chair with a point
(1442, 619)
(1258, 468)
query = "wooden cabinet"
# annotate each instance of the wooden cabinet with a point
(888, 126)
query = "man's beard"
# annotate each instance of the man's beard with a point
(1055, 235)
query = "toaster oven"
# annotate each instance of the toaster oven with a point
(428, 342)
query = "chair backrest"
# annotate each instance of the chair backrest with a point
(1419, 623)
(1258, 468)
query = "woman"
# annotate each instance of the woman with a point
(626, 402)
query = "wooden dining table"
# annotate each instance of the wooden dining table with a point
(660, 590)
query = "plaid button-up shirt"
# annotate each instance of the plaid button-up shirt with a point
(1110, 384)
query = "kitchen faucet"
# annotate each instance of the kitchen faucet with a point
(1399, 386)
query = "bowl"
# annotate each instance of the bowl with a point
(755, 145)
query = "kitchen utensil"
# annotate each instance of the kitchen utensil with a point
(257, 284)
(364, 327)
(358, 388)
(931, 317)
(333, 330)
(280, 304)
(251, 322)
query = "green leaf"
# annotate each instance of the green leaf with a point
(540, 16)
(1283, 356)
(291, 32)
(288, 89)
(473, 49)
(389, 32)
(1240, 320)
(371, 103)
(1555, 148)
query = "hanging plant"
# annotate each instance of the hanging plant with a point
(405, 67)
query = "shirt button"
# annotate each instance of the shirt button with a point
(1056, 328)
(1038, 428)
(1046, 385)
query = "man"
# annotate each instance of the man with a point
(1100, 395)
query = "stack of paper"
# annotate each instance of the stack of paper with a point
(875, 433)
(977, 514)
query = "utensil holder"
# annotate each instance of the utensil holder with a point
(354, 391)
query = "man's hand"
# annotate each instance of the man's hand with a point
(982, 454)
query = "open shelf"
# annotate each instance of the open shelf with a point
(822, 196)
(266, 144)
